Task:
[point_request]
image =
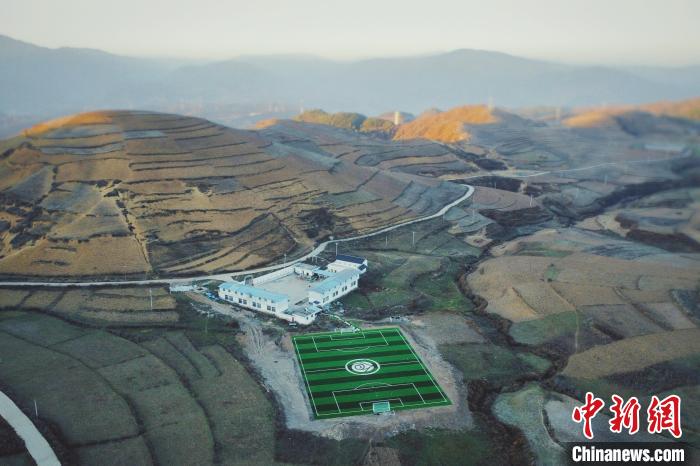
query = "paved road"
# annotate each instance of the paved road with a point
(228, 276)
(321, 247)
(36, 444)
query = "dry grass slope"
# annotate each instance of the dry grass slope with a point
(449, 126)
(179, 195)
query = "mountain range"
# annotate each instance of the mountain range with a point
(46, 82)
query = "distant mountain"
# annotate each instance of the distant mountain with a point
(41, 81)
(36, 80)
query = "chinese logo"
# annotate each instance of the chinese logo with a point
(662, 415)
(362, 366)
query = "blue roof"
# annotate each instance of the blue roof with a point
(346, 258)
(333, 281)
(253, 291)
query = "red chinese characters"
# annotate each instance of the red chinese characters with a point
(625, 415)
(587, 412)
(665, 415)
(662, 415)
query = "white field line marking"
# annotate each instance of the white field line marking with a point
(371, 388)
(419, 394)
(379, 384)
(313, 339)
(389, 400)
(397, 363)
(425, 369)
(361, 336)
(336, 403)
(326, 350)
(306, 380)
(386, 343)
(351, 411)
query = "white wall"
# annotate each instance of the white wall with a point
(273, 275)
(349, 284)
(250, 302)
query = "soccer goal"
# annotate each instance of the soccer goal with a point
(381, 407)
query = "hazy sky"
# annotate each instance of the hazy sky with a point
(577, 31)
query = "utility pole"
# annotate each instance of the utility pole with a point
(150, 295)
(530, 200)
(36, 410)
(336, 249)
(413, 241)
(386, 241)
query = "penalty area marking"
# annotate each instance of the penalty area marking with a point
(351, 350)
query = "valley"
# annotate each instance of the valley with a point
(570, 254)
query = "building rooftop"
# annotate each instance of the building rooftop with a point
(347, 258)
(305, 266)
(253, 291)
(334, 280)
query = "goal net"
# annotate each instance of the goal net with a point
(381, 407)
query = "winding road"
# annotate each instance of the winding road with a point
(322, 247)
(229, 275)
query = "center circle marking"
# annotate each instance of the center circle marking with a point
(362, 366)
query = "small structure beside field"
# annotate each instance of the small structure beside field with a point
(297, 293)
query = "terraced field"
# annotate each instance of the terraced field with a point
(180, 195)
(573, 267)
(152, 398)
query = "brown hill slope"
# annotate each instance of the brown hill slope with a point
(449, 126)
(112, 193)
(605, 116)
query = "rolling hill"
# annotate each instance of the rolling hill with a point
(134, 193)
(688, 109)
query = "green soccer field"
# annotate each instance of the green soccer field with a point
(348, 374)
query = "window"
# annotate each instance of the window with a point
(269, 308)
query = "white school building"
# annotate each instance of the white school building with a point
(254, 298)
(333, 287)
(298, 299)
(346, 262)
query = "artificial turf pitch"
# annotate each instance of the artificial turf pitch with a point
(346, 373)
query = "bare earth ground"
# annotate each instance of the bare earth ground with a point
(279, 369)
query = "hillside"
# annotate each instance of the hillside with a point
(604, 116)
(449, 126)
(346, 120)
(139, 193)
